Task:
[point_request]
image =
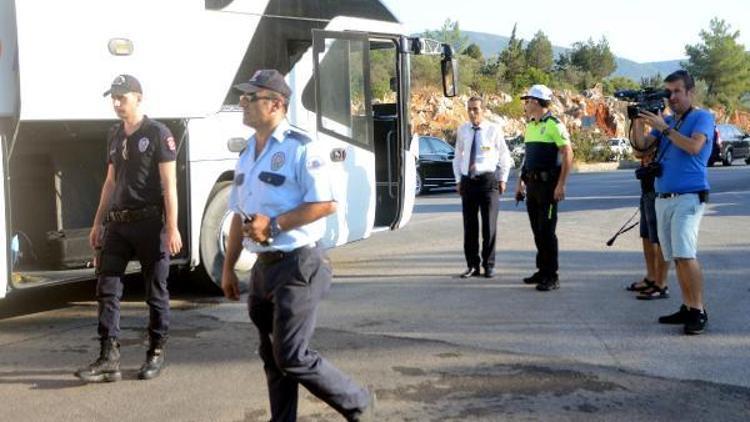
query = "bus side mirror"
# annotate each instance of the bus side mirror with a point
(449, 69)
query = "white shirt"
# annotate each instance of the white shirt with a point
(492, 151)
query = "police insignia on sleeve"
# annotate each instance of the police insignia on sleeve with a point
(170, 144)
(277, 161)
(143, 144)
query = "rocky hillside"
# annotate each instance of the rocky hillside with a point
(433, 114)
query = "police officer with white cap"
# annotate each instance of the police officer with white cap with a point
(280, 196)
(547, 162)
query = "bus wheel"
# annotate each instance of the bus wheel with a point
(214, 235)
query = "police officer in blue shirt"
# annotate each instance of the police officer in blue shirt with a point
(281, 194)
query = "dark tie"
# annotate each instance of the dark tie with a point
(473, 153)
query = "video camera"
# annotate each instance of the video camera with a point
(649, 99)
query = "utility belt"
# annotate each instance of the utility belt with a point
(272, 257)
(129, 216)
(543, 176)
(702, 195)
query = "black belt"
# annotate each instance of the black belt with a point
(478, 176)
(539, 175)
(272, 257)
(702, 195)
(129, 216)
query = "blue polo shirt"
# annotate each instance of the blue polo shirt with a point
(683, 172)
(291, 170)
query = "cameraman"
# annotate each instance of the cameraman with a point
(684, 142)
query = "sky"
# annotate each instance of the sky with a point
(639, 30)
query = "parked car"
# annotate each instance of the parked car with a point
(517, 149)
(735, 143)
(435, 164)
(615, 149)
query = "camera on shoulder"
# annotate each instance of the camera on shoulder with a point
(649, 99)
(652, 169)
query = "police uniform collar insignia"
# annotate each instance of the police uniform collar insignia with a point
(143, 144)
(277, 161)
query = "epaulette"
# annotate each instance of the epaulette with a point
(550, 117)
(300, 136)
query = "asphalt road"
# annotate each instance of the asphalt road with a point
(434, 347)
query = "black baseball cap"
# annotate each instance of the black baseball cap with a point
(124, 84)
(270, 79)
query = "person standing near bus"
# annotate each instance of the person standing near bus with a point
(280, 196)
(136, 217)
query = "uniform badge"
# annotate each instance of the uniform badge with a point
(143, 144)
(277, 161)
(170, 144)
(239, 179)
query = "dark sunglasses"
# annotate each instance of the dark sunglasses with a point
(253, 97)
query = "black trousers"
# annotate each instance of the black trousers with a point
(144, 239)
(542, 209)
(480, 195)
(283, 303)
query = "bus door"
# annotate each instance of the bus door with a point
(344, 121)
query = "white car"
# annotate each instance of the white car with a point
(618, 149)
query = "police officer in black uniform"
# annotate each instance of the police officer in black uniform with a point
(548, 159)
(136, 217)
(281, 194)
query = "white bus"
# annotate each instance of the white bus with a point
(57, 57)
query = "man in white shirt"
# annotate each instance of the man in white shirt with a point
(481, 166)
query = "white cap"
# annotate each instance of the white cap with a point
(540, 92)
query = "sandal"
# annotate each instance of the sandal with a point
(639, 286)
(654, 292)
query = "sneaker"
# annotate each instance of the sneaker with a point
(696, 321)
(535, 278)
(489, 273)
(654, 292)
(679, 317)
(550, 283)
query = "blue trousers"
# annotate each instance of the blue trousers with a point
(282, 304)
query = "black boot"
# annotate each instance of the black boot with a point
(106, 367)
(154, 361)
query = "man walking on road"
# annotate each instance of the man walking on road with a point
(138, 203)
(281, 193)
(547, 163)
(481, 166)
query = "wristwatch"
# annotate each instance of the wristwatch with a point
(666, 131)
(275, 228)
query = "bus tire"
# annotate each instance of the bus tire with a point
(214, 234)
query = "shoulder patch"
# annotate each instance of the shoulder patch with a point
(300, 136)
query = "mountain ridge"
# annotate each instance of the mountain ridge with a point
(491, 44)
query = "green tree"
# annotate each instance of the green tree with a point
(473, 51)
(514, 60)
(593, 57)
(616, 83)
(449, 33)
(539, 52)
(721, 62)
(653, 81)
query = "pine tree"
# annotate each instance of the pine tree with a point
(721, 62)
(514, 60)
(539, 52)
